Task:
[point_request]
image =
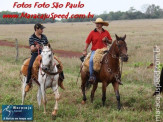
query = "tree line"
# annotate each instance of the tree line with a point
(151, 12)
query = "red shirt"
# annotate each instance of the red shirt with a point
(96, 38)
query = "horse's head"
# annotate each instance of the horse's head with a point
(47, 57)
(121, 48)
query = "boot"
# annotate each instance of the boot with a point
(92, 79)
(28, 86)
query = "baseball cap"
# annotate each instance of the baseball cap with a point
(38, 26)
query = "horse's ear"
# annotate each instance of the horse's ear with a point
(49, 45)
(124, 37)
(117, 38)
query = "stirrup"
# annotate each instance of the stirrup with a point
(92, 79)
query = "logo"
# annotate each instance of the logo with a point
(17, 112)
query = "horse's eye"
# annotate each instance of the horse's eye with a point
(49, 55)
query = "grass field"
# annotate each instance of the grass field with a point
(138, 104)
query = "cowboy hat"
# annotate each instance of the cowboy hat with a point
(100, 21)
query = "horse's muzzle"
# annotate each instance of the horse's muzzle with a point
(124, 58)
(45, 68)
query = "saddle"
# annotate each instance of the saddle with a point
(36, 65)
(98, 56)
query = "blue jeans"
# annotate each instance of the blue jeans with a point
(34, 55)
(91, 63)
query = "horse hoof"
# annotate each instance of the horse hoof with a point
(103, 104)
(119, 108)
(54, 113)
(83, 102)
(58, 98)
(92, 100)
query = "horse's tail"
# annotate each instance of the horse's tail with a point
(20, 73)
(161, 85)
(87, 83)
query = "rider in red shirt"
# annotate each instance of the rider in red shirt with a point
(98, 37)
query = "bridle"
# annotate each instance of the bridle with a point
(46, 71)
(116, 75)
(119, 50)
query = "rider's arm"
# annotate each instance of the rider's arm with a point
(86, 47)
(33, 48)
(109, 38)
(87, 42)
(85, 50)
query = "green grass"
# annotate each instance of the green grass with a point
(137, 101)
(138, 104)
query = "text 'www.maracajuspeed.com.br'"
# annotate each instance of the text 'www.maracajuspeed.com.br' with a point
(48, 16)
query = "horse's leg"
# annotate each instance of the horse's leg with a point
(57, 96)
(104, 84)
(23, 89)
(83, 91)
(93, 91)
(39, 97)
(84, 79)
(116, 90)
(43, 95)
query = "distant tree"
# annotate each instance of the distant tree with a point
(153, 11)
(144, 8)
(132, 10)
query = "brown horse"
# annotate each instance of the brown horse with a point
(109, 72)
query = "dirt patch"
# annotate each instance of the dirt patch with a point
(60, 53)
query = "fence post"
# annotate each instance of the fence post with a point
(17, 49)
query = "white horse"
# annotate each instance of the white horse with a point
(47, 77)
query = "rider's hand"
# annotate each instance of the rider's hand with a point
(37, 46)
(84, 52)
(105, 39)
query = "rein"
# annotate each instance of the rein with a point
(121, 62)
(116, 75)
(51, 73)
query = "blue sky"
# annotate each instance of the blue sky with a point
(93, 6)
